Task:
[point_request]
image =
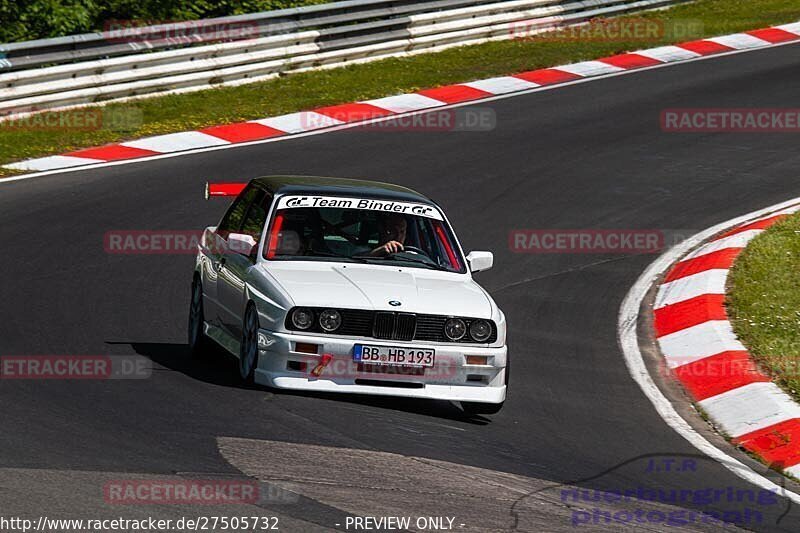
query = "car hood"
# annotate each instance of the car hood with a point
(356, 286)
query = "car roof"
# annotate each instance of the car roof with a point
(320, 185)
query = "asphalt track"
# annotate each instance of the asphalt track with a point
(588, 156)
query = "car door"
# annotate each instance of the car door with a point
(233, 273)
(218, 254)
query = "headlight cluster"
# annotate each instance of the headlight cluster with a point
(364, 323)
(329, 319)
(456, 329)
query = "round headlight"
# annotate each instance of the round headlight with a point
(480, 330)
(302, 318)
(455, 329)
(330, 320)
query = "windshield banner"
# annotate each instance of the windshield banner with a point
(389, 206)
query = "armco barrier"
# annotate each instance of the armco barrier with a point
(98, 67)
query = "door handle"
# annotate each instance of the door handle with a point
(219, 264)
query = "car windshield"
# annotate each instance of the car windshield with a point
(363, 231)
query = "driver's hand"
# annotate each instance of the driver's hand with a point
(392, 247)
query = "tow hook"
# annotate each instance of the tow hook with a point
(323, 362)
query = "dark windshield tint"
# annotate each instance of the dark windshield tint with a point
(330, 233)
(256, 216)
(232, 220)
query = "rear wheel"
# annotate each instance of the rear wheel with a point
(248, 350)
(199, 343)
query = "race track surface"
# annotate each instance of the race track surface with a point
(587, 156)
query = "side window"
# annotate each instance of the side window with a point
(232, 220)
(256, 216)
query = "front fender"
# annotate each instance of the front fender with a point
(272, 303)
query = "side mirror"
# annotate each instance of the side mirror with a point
(241, 243)
(479, 261)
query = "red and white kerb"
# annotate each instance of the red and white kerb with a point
(702, 351)
(330, 116)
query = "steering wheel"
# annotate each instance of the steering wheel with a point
(414, 250)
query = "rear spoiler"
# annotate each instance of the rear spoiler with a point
(214, 190)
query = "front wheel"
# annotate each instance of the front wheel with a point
(199, 343)
(248, 350)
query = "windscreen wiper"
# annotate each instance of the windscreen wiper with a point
(331, 254)
(427, 262)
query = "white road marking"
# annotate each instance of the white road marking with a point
(669, 53)
(53, 162)
(174, 142)
(501, 85)
(739, 41)
(750, 408)
(299, 122)
(403, 103)
(707, 282)
(589, 68)
(698, 342)
(794, 27)
(737, 240)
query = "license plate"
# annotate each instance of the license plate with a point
(393, 355)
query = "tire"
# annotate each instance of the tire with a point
(248, 351)
(199, 343)
(477, 408)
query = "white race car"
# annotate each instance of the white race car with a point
(339, 285)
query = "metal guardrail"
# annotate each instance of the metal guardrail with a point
(97, 67)
(180, 34)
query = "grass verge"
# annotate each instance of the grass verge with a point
(295, 92)
(764, 301)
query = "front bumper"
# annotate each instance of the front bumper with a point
(281, 365)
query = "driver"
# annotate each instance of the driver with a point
(392, 235)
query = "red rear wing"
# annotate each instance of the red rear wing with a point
(214, 190)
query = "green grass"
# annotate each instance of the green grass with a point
(764, 301)
(25, 20)
(286, 94)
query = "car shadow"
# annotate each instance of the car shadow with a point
(220, 368)
(217, 369)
